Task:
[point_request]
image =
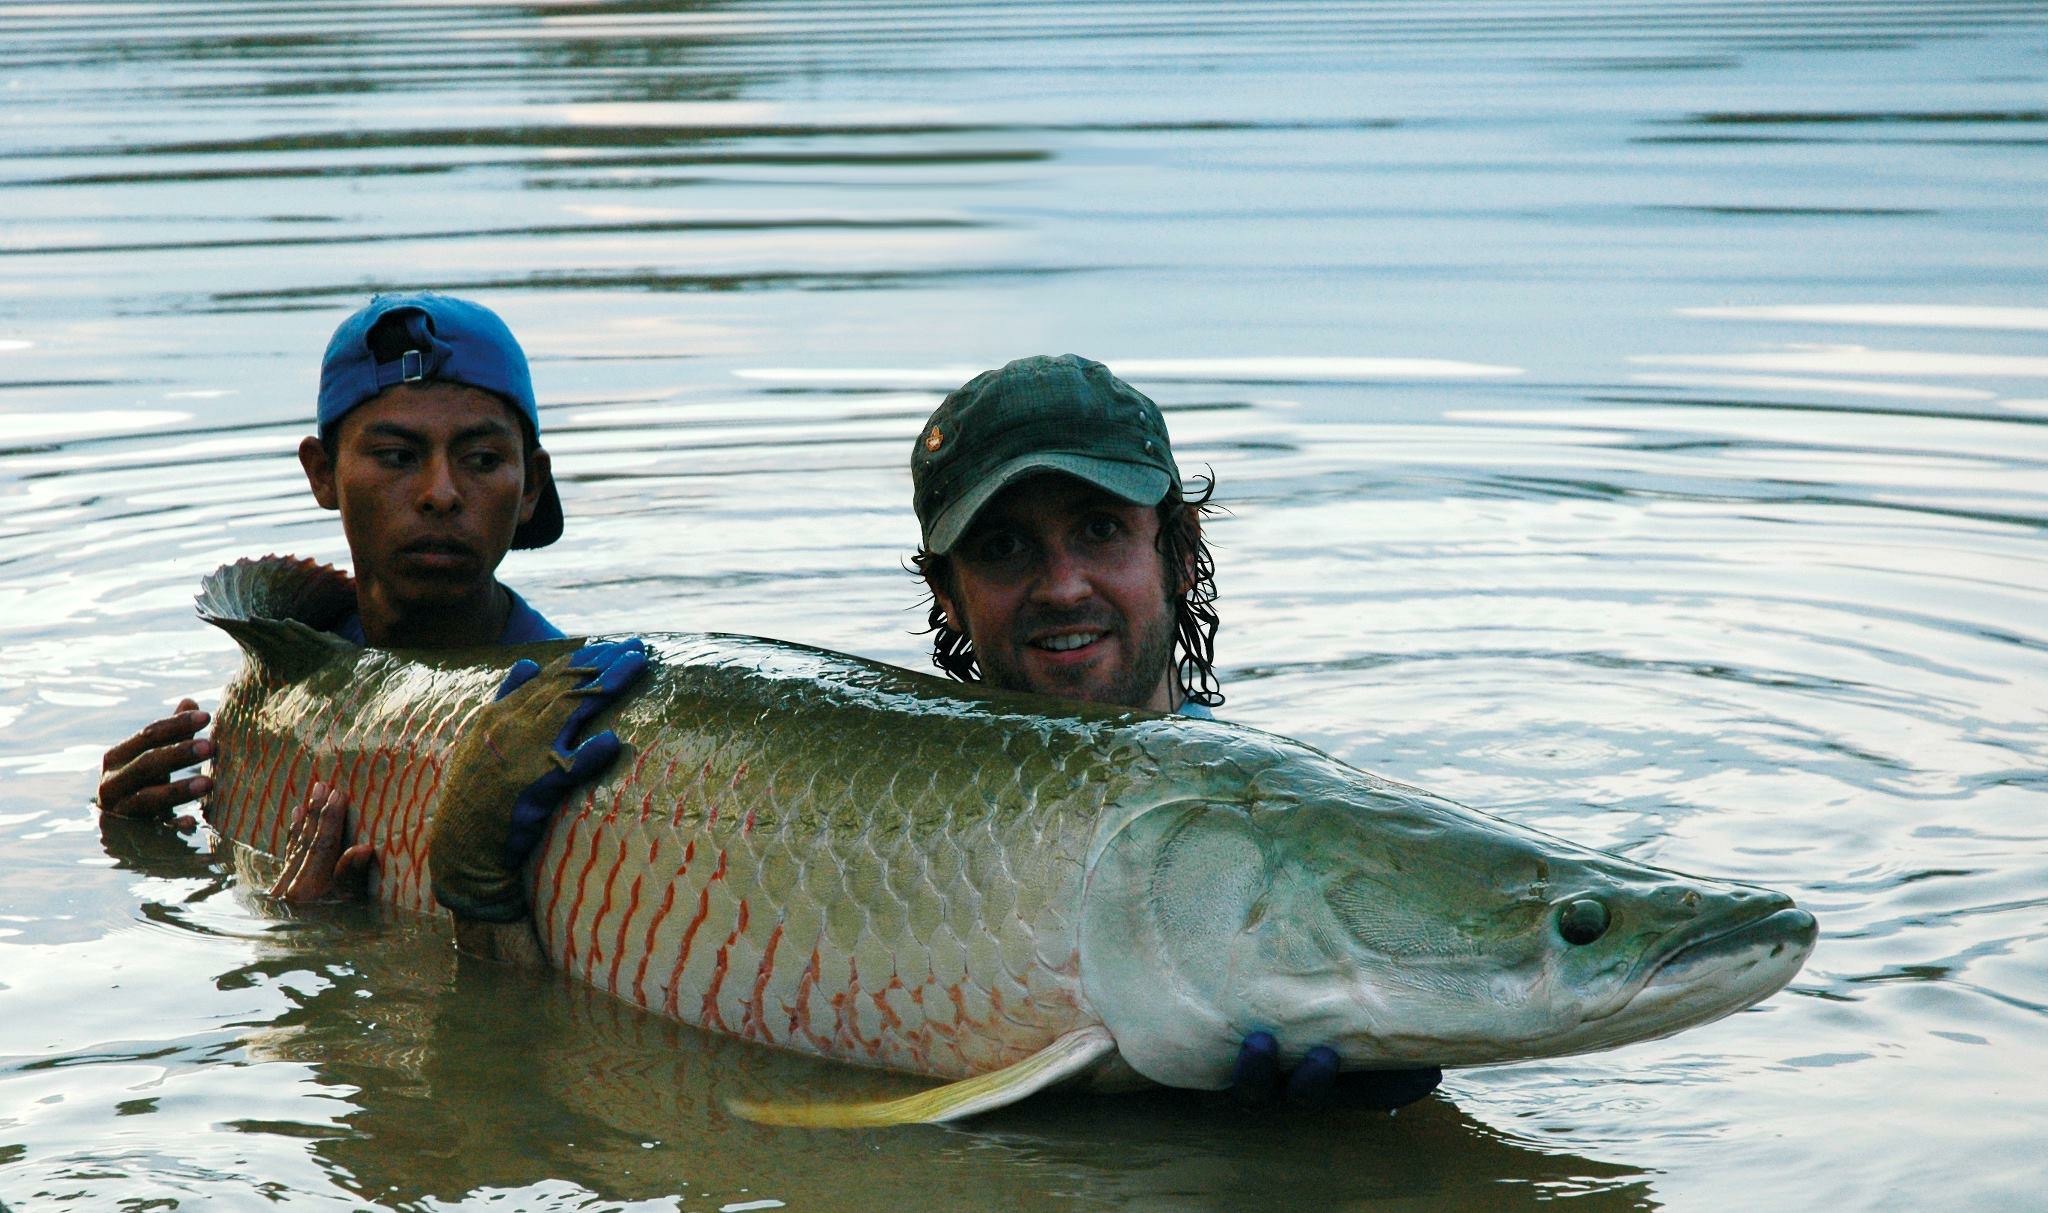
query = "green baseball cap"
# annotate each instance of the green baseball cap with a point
(1037, 414)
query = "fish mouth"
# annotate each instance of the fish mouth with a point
(1701, 978)
(1716, 974)
(1760, 940)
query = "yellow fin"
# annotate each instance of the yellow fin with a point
(1063, 1058)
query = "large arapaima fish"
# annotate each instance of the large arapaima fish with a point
(828, 854)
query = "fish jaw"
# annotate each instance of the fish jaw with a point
(1715, 974)
(1330, 908)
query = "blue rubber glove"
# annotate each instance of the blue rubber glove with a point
(613, 666)
(1255, 1079)
(514, 764)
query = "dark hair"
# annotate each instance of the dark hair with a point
(1181, 546)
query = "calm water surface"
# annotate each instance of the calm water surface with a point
(1631, 418)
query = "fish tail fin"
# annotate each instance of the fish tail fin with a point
(277, 607)
(1070, 1055)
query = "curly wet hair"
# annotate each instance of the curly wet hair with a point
(1181, 546)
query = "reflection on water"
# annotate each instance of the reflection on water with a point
(1629, 417)
(615, 1101)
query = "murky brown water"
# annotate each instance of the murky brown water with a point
(1631, 416)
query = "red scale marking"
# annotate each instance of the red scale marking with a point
(269, 779)
(647, 821)
(943, 1031)
(668, 902)
(958, 994)
(890, 1021)
(382, 790)
(353, 786)
(409, 780)
(248, 814)
(845, 1018)
(413, 805)
(294, 793)
(754, 1025)
(712, 1018)
(412, 837)
(675, 977)
(433, 787)
(569, 959)
(604, 906)
(259, 757)
(287, 793)
(800, 1013)
(561, 836)
(668, 780)
(619, 943)
(369, 793)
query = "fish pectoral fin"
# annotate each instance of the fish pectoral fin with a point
(1071, 1054)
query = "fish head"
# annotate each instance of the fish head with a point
(1401, 929)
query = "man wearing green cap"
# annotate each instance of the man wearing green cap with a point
(1063, 558)
(1061, 553)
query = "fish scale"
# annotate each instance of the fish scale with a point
(786, 868)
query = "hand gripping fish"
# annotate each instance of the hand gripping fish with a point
(810, 850)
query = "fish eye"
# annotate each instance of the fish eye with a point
(1582, 920)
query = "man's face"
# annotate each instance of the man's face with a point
(431, 485)
(1062, 590)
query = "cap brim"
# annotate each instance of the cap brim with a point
(546, 524)
(1137, 483)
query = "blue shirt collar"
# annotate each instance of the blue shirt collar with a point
(523, 626)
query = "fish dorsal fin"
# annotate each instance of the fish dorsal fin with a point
(1071, 1054)
(278, 609)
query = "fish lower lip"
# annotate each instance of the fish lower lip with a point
(1785, 926)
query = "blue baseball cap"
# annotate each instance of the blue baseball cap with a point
(447, 340)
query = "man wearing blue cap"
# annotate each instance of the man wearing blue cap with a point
(429, 448)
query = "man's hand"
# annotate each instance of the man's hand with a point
(318, 862)
(135, 776)
(1256, 1079)
(513, 766)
